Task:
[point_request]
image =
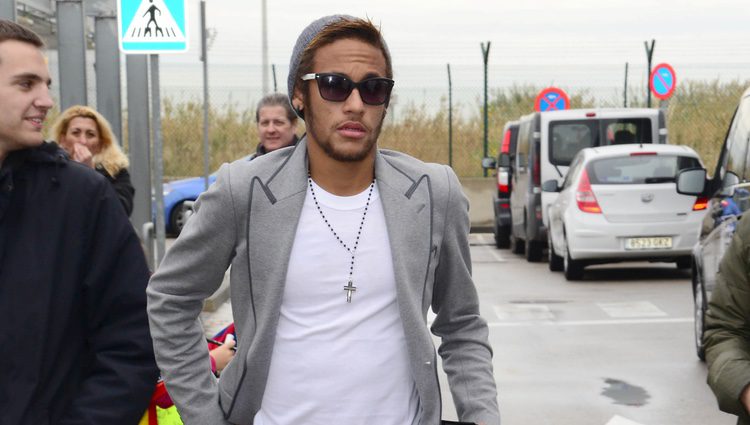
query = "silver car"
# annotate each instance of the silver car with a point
(619, 203)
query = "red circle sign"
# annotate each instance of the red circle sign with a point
(551, 99)
(663, 81)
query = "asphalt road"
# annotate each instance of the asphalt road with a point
(613, 349)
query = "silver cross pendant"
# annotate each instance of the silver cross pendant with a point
(350, 288)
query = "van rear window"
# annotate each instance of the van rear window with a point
(567, 138)
(639, 169)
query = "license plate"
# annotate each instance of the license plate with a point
(663, 242)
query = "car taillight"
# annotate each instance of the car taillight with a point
(536, 167)
(585, 196)
(701, 203)
(505, 148)
(502, 181)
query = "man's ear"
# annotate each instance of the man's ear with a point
(298, 101)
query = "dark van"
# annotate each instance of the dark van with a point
(501, 196)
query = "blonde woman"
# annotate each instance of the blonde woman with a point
(88, 138)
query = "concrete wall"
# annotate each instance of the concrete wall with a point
(479, 191)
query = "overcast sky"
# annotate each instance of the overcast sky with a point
(521, 32)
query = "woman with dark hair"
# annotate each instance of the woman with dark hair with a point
(88, 138)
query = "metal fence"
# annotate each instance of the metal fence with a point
(418, 118)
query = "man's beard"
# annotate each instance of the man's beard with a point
(367, 147)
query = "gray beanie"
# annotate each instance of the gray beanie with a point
(303, 40)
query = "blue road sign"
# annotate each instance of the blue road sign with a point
(663, 81)
(152, 26)
(552, 99)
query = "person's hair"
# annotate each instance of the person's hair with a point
(276, 99)
(346, 28)
(110, 155)
(10, 30)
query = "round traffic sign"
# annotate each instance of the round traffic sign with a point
(663, 81)
(551, 99)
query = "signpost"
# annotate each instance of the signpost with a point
(663, 81)
(152, 26)
(551, 99)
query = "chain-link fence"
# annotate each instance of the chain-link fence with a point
(418, 118)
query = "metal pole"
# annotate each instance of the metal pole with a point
(71, 49)
(8, 10)
(138, 144)
(273, 71)
(649, 55)
(264, 43)
(158, 166)
(204, 58)
(625, 89)
(485, 56)
(107, 70)
(450, 118)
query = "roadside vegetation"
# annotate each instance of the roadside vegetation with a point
(697, 116)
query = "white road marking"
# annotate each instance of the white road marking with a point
(619, 420)
(591, 322)
(520, 312)
(497, 256)
(631, 309)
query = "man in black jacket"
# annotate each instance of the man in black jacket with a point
(74, 340)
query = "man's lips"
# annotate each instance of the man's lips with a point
(351, 129)
(36, 121)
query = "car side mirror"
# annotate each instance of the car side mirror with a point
(489, 163)
(728, 184)
(550, 186)
(691, 181)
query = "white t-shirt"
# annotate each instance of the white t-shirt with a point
(336, 362)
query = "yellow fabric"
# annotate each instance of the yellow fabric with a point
(168, 416)
(144, 419)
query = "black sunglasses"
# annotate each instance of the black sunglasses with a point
(337, 88)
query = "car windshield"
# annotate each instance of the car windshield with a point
(639, 169)
(567, 138)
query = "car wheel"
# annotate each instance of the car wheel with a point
(699, 311)
(177, 218)
(684, 263)
(556, 262)
(502, 236)
(534, 250)
(573, 269)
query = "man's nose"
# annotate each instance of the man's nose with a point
(44, 100)
(354, 102)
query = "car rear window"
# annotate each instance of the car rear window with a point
(567, 138)
(639, 169)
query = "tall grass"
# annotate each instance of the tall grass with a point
(697, 116)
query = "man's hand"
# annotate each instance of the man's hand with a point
(745, 398)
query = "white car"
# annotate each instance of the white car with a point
(619, 203)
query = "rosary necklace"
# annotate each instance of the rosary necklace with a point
(349, 288)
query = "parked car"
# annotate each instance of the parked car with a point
(728, 192)
(619, 203)
(179, 196)
(501, 196)
(547, 142)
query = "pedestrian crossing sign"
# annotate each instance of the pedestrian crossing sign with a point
(152, 26)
